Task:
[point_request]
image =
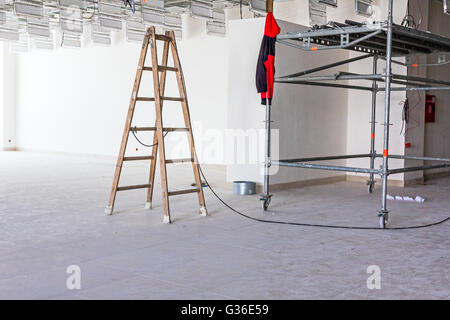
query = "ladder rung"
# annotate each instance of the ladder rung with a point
(175, 193)
(162, 37)
(154, 129)
(162, 98)
(137, 158)
(166, 68)
(137, 186)
(161, 68)
(143, 128)
(172, 99)
(180, 160)
(175, 129)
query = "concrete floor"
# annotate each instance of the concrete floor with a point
(52, 216)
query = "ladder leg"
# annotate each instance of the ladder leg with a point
(151, 181)
(165, 58)
(187, 120)
(123, 146)
(159, 127)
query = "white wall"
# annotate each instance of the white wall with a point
(76, 101)
(359, 117)
(2, 76)
(297, 11)
(311, 121)
(360, 103)
(244, 112)
(437, 133)
(7, 98)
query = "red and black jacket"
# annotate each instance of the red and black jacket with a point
(265, 69)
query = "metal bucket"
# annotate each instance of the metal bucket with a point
(243, 188)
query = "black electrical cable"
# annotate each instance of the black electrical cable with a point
(240, 8)
(298, 223)
(133, 131)
(405, 115)
(310, 224)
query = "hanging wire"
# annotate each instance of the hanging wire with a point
(134, 132)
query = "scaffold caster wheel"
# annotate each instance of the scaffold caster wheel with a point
(265, 202)
(370, 188)
(383, 219)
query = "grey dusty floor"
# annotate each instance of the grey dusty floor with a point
(52, 216)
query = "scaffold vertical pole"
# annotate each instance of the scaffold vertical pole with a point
(371, 182)
(384, 213)
(266, 197)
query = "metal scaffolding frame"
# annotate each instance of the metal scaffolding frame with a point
(380, 41)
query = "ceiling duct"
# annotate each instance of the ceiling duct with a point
(177, 6)
(40, 20)
(202, 9)
(217, 26)
(172, 22)
(38, 27)
(70, 20)
(332, 3)
(100, 35)
(2, 12)
(222, 4)
(364, 7)
(9, 30)
(70, 40)
(258, 7)
(80, 4)
(153, 12)
(317, 13)
(177, 32)
(155, 4)
(135, 30)
(28, 8)
(21, 45)
(44, 43)
(110, 14)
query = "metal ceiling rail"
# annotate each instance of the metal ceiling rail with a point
(354, 156)
(325, 167)
(395, 156)
(344, 43)
(337, 76)
(328, 66)
(419, 89)
(419, 168)
(324, 84)
(346, 76)
(426, 80)
(381, 40)
(331, 31)
(369, 38)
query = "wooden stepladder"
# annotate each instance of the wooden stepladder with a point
(159, 82)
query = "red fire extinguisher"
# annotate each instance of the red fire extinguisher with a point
(430, 108)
